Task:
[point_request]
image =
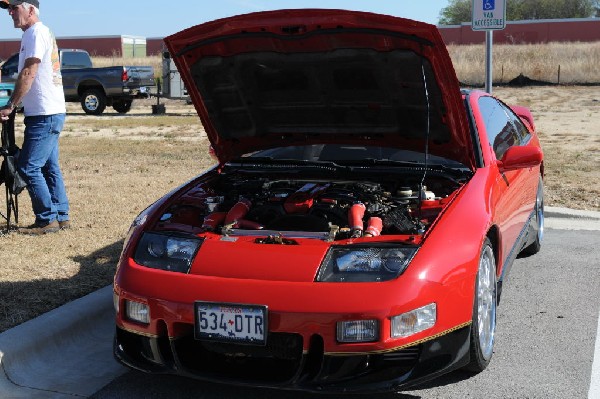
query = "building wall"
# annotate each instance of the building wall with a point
(524, 32)
(104, 46)
(8, 48)
(96, 46)
(539, 31)
(155, 45)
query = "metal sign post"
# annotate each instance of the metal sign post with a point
(488, 16)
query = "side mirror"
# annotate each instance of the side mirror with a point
(520, 157)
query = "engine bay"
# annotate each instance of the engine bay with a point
(278, 208)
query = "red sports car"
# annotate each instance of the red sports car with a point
(361, 220)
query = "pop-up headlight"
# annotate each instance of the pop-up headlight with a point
(365, 264)
(167, 251)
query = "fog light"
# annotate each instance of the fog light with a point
(137, 311)
(414, 321)
(358, 331)
(116, 302)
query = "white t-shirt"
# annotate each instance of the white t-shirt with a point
(46, 96)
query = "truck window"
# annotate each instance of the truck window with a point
(75, 60)
(10, 68)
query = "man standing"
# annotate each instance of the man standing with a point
(39, 89)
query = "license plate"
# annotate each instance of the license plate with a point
(3, 93)
(143, 89)
(231, 322)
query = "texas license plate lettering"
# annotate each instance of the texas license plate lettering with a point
(245, 324)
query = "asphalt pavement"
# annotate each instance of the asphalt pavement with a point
(67, 353)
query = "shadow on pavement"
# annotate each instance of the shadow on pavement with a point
(25, 300)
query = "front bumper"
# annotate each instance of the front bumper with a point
(284, 364)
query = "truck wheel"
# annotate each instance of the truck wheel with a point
(122, 106)
(93, 102)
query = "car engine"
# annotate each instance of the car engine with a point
(310, 208)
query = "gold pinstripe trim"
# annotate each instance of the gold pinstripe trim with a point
(397, 348)
(432, 337)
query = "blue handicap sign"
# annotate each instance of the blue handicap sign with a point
(489, 5)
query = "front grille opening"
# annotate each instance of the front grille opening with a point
(314, 359)
(408, 355)
(144, 349)
(278, 361)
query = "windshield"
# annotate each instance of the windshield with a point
(341, 154)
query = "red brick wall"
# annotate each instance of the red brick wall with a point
(96, 46)
(154, 45)
(543, 31)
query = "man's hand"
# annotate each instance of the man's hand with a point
(5, 112)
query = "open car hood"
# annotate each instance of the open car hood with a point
(296, 77)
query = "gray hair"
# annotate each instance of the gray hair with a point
(28, 6)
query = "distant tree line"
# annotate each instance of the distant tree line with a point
(459, 11)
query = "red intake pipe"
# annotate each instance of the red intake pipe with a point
(213, 220)
(374, 227)
(238, 211)
(355, 218)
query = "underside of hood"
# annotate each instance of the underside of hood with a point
(296, 77)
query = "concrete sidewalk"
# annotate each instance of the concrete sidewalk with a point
(64, 353)
(67, 352)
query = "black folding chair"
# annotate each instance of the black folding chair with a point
(9, 175)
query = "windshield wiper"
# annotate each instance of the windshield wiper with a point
(391, 162)
(286, 162)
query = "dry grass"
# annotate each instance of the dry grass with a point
(116, 165)
(109, 181)
(578, 62)
(154, 61)
(567, 123)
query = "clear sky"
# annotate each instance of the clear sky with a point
(154, 18)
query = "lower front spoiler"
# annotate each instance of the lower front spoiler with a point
(284, 365)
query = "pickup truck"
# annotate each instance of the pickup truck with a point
(6, 90)
(94, 88)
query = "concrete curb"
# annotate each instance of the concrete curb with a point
(557, 212)
(64, 353)
(571, 219)
(67, 352)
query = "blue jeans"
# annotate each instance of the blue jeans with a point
(38, 164)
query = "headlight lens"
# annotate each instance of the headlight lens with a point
(365, 264)
(167, 251)
(414, 321)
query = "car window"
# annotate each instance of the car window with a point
(501, 131)
(74, 60)
(522, 132)
(10, 67)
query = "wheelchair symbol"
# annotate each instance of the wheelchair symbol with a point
(489, 5)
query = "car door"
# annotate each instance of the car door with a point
(513, 192)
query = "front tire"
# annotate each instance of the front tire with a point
(483, 326)
(93, 102)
